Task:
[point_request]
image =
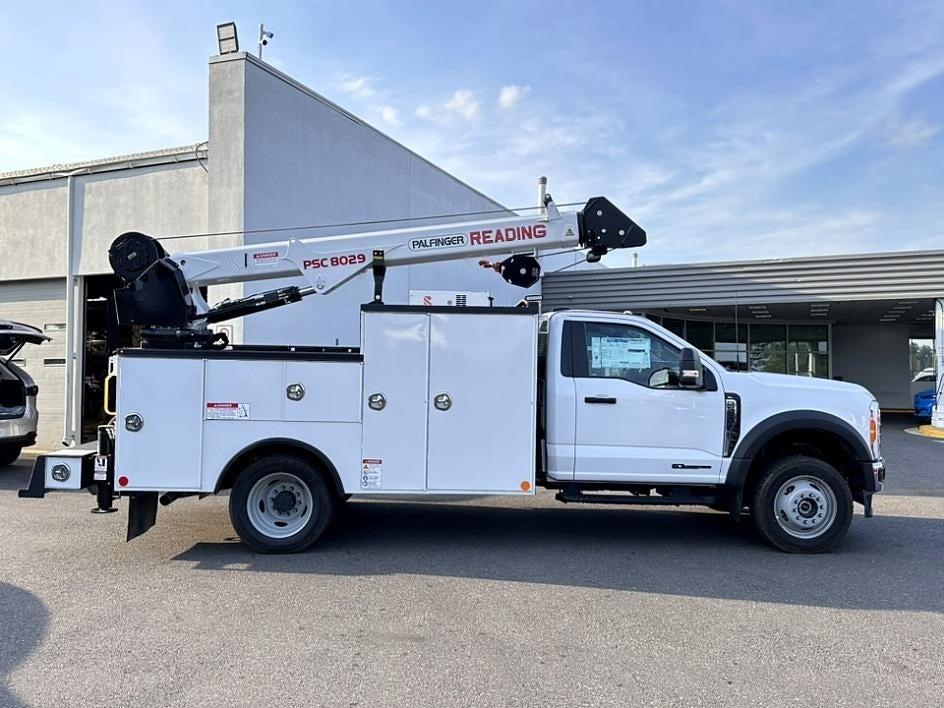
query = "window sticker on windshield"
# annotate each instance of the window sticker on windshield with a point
(620, 353)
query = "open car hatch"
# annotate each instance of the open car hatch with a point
(14, 335)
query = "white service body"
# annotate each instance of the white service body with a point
(202, 410)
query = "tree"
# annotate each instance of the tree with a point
(922, 356)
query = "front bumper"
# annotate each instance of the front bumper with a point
(871, 481)
(873, 474)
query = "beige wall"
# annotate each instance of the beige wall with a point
(33, 230)
(41, 303)
(160, 200)
(165, 200)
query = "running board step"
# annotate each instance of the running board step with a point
(634, 499)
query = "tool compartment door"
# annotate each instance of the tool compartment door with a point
(482, 437)
(167, 395)
(395, 347)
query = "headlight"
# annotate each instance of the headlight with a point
(875, 429)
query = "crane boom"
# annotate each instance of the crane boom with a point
(162, 292)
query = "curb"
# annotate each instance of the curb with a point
(929, 431)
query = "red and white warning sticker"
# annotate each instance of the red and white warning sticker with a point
(227, 410)
(371, 474)
(265, 259)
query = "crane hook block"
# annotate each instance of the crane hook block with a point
(521, 270)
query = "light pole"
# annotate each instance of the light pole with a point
(264, 37)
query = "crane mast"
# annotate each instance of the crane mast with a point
(162, 292)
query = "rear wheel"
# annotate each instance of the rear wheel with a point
(802, 505)
(281, 504)
(9, 454)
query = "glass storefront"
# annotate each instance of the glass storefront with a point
(807, 350)
(769, 348)
(801, 349)
(730, 348)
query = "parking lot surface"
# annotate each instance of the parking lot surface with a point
(475, 602)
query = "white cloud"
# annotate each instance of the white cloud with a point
(389, 115)
(912, 133)
(511, 94)
(360, 86)
(464, 103)
(424, 112)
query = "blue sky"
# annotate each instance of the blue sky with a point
(727, 129)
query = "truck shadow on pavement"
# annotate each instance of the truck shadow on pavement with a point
(23, 622)
(887, 563)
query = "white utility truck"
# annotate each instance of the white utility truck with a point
(604, 408)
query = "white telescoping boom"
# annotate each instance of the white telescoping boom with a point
(162, 292)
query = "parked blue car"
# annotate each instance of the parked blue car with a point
(923, 403)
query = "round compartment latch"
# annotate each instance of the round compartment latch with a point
(134, 422)
(295, 392)
(442, 401)
(61, 472)
(376, 402)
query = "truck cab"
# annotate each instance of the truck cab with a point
(622, 417)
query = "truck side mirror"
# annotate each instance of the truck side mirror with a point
(691, 371)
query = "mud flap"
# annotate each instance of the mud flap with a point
(142, 513)
(37, 483)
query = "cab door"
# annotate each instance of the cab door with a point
(633, 422)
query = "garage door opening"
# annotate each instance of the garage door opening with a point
(98, 312)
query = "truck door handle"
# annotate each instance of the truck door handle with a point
(599, 399)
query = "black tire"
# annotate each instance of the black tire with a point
(315, 517)
(9, 454)
(824, 487)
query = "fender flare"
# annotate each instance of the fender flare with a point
(283, 443)
(751, 444)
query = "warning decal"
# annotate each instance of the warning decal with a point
(227, 411)
(371, 474)
(569, 233)
(265, 259)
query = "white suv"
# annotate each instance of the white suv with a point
(18, 414)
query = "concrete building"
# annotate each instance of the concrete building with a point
(843, 317)
(278, 155)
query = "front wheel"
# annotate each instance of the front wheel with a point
(9, 454)
(802, 505)
(281, 504)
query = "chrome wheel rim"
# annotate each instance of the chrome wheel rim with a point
(805, 507)
(279, 505)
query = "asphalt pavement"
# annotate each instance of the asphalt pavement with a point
(475, 602)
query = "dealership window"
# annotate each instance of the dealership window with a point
(731, 346)
(769, 348)
(801, 349)
(701, 335)
(808, 350)
(921, 355)
(674, 326)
